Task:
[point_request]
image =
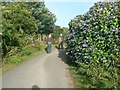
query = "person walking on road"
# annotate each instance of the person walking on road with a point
(60, 44)
(49, 44)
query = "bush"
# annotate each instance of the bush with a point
(94, 43)
(14, 59)
(94, 36)
(26, 51)
(95, 76)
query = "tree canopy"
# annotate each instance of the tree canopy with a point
(24, 19)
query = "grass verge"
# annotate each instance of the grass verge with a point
(94, 76)
(25, 54)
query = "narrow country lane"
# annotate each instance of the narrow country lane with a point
(45, 71)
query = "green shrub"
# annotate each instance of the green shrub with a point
(14, 59)
(26, 51)
(94, 43)
(94, 36)
(95, 77)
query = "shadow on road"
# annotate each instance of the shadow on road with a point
(35, 87)
(62, 55)
(65, 58)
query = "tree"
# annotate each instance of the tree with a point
(44, 18)
(23, 21)
(17, 23)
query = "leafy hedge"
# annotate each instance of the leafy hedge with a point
(94, 36)
(93, 44)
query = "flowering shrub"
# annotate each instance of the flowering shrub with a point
(94, 37)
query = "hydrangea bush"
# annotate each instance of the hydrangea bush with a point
(95, 36)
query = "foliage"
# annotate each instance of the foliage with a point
(94, 43)
(44, 18)
(94, 36)
(25, 51)
(17, 56)
(57, 31)
(14, 26)
(94, 76)
(21, 22)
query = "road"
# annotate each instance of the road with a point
(44, 71)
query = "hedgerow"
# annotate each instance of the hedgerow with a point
(94, 41)
(94, 36)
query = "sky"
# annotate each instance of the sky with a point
(65, 11)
